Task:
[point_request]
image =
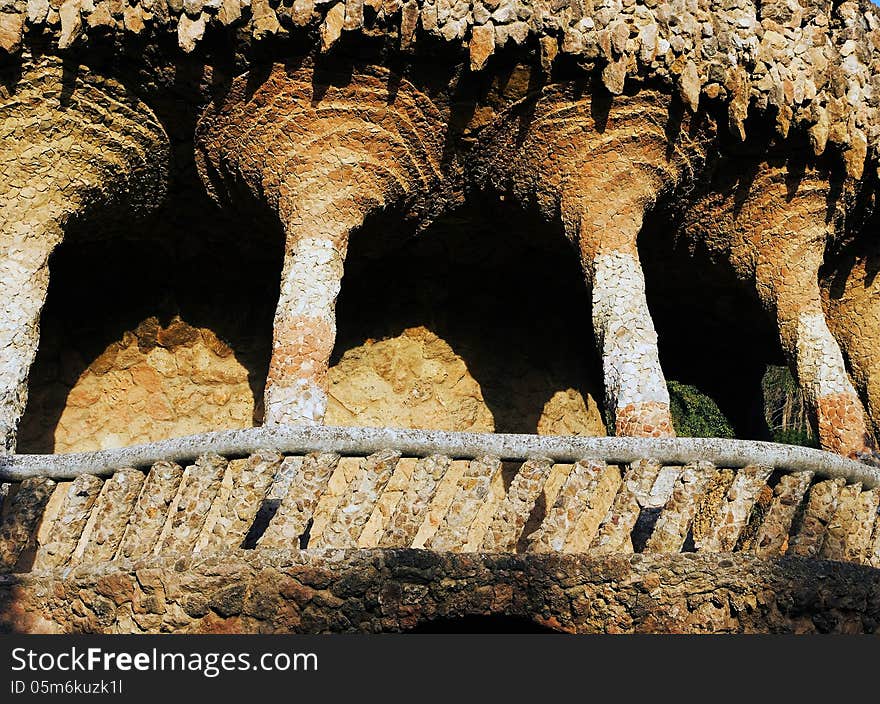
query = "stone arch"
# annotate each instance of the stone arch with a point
(323, 152)
(598, 166)
(72, 143)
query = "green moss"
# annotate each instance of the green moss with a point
(696, 415)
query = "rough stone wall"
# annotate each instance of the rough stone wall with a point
(738, 53)
(69, 143)
(156, 382)
(400, 590)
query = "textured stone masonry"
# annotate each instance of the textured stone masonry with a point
(820, 508)
(373, 591)
(772, 536)
(63, 535)
(110, 515)
(674, 522)
(733, 512)
(308, 483)
(151, 510)
(634, 494)
(506, 528)
(248, 491)
(18, 528)
(471, 492)
(199, 487)
(357, 503)
(410, 512)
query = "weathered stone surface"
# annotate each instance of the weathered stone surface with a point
(574, 502)
(357, 504)
(848, 533)
(634, 494)
(675, 521)
(110, 516)
(409, 513)
(471, 491)
(297, 508)
(199, 487)
(506, 528)
(21, 519)
(820, 508)
(772, 536)
(248, 491)
(151, 511)
(399, 590)
(733, 513)
(67, 528)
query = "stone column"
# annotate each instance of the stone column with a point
(788, 277)
(304, 331)
(323, 156)
(58, 159)
(598, 167)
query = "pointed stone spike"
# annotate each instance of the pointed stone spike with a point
(357, 503)
(19, 527)
(110, 516)
(471, 492)
(772, 535)
(151, 510)
(507, 525)
(410, 512)
(65, 532)
(298, 506)
(672, 526)
(733, 512)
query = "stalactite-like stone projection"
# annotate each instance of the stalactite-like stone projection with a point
(70, 141)
(772, 223)
(600, 167)
(323, 155)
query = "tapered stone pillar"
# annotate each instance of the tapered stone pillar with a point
(773, 225)
(599, 166)
(324, 153)
(69, 146)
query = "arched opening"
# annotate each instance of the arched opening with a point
(154, 329)
(480, 323)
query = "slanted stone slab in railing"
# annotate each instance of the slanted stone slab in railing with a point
(410, 512)
(357, 503)
(110, 516)
(714, 496)
(251, 479)
(598, 505)
(199, 488)
(859, 541)
(615, 533)
(821, 504)
(506, 527)
(571, 502)
(663, 486)
(298, 506)
(671, 529)
(4, 494)
(289, 467)
(733, 512)
(67, 527)
(772, 536)
(472, 490)
(19, 527)
(848, 533)
(150, 513)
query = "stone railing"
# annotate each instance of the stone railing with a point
(328, 487)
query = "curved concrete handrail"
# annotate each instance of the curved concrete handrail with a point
(421, 443)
